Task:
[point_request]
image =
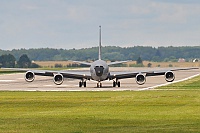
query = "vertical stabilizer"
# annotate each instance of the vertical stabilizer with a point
(99, 42)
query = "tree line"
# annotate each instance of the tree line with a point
(111, 53)
(9, 61)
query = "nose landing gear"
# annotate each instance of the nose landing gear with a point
(99, 84)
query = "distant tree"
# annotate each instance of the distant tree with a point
(139, 60)
(158, 53)
(110, 53)
(34, 65)
(166, 60)
(58, 65)
(156, 59)
(24, 61)
(7, 60)
(149, 64)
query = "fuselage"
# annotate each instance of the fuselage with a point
(99, 70)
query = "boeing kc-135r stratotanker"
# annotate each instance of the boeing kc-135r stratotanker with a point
(99, 71)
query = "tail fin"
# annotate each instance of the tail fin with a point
(99, 42)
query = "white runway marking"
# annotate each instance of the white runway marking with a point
(47, 85)
(153, 87)
(7, 80)
(63, 85)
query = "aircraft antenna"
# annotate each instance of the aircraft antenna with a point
(99, 42)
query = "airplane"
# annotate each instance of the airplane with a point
(99, 71)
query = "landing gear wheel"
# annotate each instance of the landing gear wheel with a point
(80, 84)
(84, 84)
(118, 84)
(114, 84)
(99, 85)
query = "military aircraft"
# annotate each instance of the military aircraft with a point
(99, 71)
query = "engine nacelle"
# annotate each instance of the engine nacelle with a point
(29, 76)
(169, 76)
(140, 79)
(58, 79)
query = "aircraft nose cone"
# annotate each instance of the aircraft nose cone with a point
(99, 70)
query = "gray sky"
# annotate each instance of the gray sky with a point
(71, 24)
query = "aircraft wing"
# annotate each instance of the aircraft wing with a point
(76, 74)
(124, 75)
(118, 62)
(67, 74)
(81, 62)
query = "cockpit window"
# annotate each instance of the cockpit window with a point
(99, 66)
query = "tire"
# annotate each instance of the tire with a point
(80, 84)
(114, 84)
(84, 84)
(118, 84)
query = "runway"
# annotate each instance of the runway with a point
(16, 82)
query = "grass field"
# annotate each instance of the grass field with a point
(189, 85)
(7, 71)
(86, 112)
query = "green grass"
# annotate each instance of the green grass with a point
(176, 110)
(193, 83)
(80, 112)
(8, 72)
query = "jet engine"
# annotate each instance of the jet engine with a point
(29, 76)
(140, 79)
(58, 79)
(169, 76)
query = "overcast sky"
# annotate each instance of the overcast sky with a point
(71, 24)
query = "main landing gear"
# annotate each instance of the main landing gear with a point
(82, 83)
(116, 83)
